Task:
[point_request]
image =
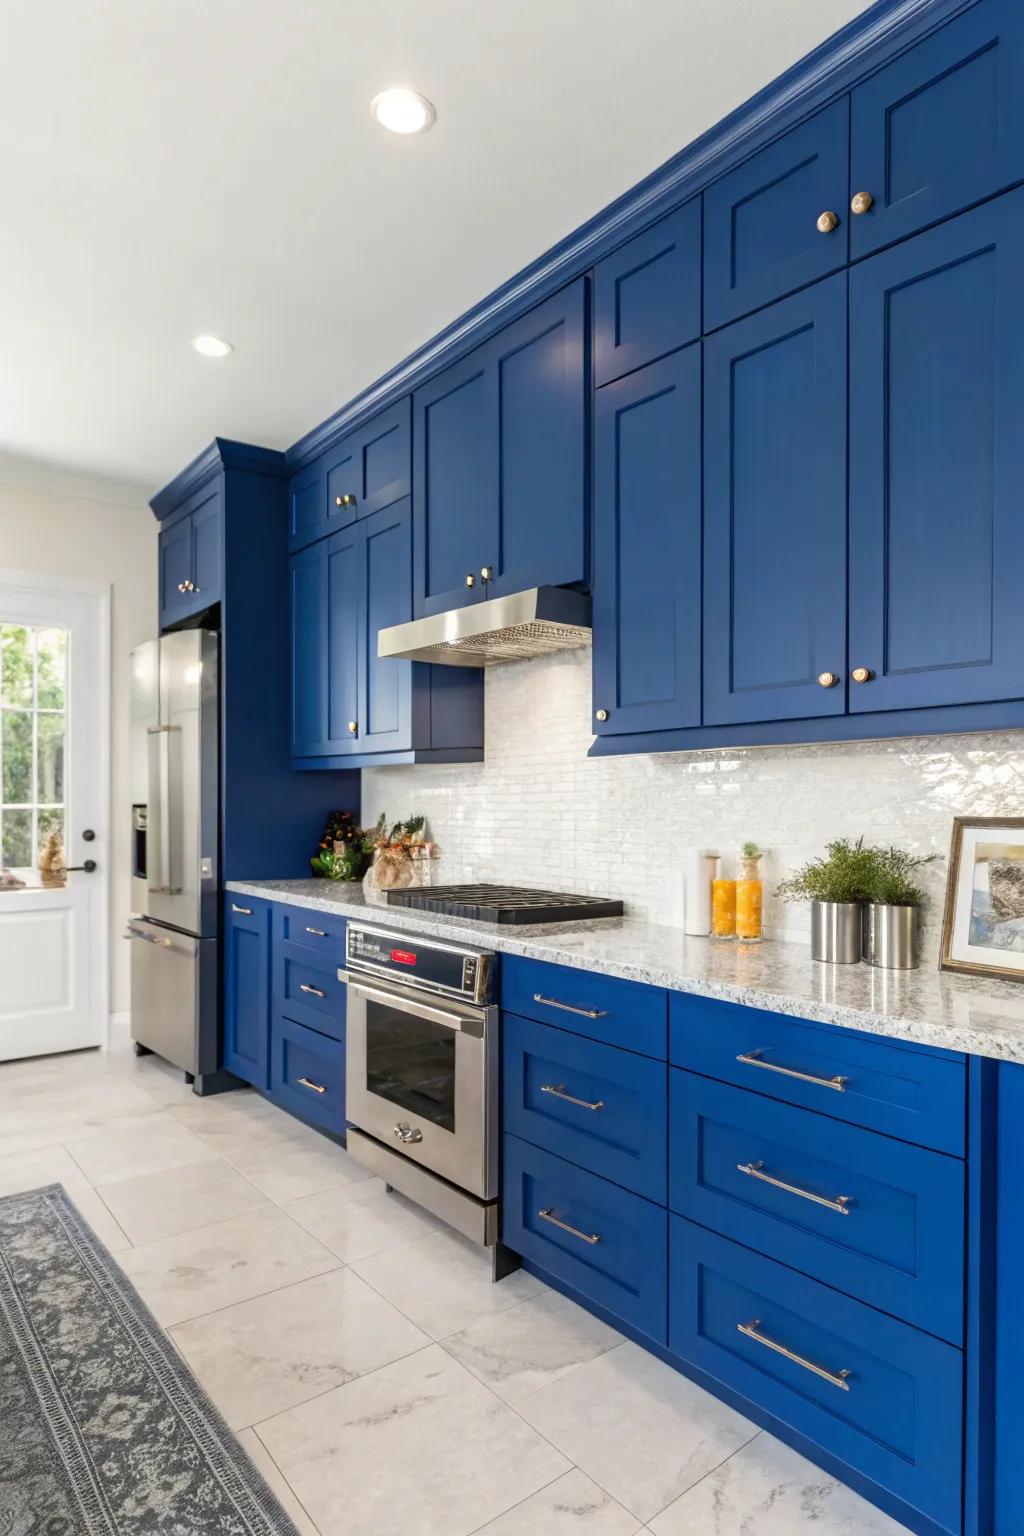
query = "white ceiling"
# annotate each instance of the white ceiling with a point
(198, 166)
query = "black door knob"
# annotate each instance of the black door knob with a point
(87, 868)
(88, 836)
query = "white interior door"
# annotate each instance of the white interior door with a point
(54, 735)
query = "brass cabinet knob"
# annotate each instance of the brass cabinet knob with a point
(862, 674)
(182, 586)
(601, 714)
(353, 727)
(470, 580)
(827, 222)
(860, 202)
(348, 500)
(828, 679)
(487, 572)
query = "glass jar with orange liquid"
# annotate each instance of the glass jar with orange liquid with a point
(749, 893)
(723, 908)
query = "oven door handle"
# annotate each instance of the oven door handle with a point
(468, 1025)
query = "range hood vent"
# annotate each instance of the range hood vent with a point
(515, 628)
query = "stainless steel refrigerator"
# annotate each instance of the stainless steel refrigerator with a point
(173, 926)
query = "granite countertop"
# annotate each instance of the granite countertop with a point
(926, 1006)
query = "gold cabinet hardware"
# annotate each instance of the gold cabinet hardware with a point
(245, 911)
(353, 727)
(840, 1379)
(827, 222)
(557, 1091)
(828, 679)
(601, 714)
(487, 572)
(470, 579)
(312, 991)
(315, 1087)
(584, 1013)
(841, 1203)
(318, 933)
(862, 674)
(860, 202)
(187, 586)
(348, 500)
(756, 1059)
(563, 1226)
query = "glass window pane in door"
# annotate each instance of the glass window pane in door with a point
(16, 749)
(17, 839)
(49, 759)
(33, 741)
(16, 665)
(51, 657)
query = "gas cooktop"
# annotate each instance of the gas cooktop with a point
(503, 903)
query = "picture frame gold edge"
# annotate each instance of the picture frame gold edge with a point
(968, 967)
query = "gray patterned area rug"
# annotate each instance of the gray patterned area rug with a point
(104, 1431)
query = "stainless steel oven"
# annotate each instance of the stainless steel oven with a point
(421, 1061)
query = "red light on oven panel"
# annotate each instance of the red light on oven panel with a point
(403, 956)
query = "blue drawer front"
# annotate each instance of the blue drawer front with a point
(899, 1421)
(897, 1240)
(602, 1108)
(916, 1095)
(616, 1253)
(306, 992)
(307, 1073)
(623, 1013)
(321, 935)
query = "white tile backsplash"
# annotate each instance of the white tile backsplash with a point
(539, 811)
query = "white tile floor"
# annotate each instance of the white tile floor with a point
(379, 1380)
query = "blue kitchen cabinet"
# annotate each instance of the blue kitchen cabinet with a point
(937, 465)
(762, 235)
(386, 686)
(647, 548)
(775, 511)
(190, 545)
(325, 580)
(367, 470)
(940, 128)
(247, 946)
(1003, 1416)
(647, 295)
(500, 455)
(175, 557)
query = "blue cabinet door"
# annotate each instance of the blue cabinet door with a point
(385, 598)
(308, 596)
(937, 465)
(175, 557)
(207, 526)
(540, 382)
(1008, 1390)
(307, 515)
(341, 473)
(343, 555)
(775, 511)
(385, 459)
(247, 988)
(647, 548)
(647, 295)
(941, 128)
(455, 475)
(761, 232)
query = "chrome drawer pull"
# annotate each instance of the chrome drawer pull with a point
(563, 1226)
(318, 933)
(584, 1013)
(755, 1059)
(313, 991)
(316, 1087)
(838, 1379)
(557, 1091)
(755, 1171)
(245, 911)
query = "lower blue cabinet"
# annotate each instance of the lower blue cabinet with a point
(247, 988)
(877, 1394)
(606, 1243)
(307, 1073)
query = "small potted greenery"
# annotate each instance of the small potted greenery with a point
(836, 886)
(892, 914)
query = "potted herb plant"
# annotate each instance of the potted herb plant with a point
(836, 886)
(892, 916)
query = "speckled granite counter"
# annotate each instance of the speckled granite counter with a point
(959, 1013)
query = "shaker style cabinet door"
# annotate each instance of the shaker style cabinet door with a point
(647, 548)
(175, 556)
(344, 575)
(307, 517)
(939, 129)
(768, 225)
(385, 598)
(775, 512)
(937, 465)
(247, 988)
(207, 534)
(647, 295)
(325, 582)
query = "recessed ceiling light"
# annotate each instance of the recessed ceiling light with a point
(211, 346)
(402, 110)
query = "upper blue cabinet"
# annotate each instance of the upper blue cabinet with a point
(369, 469)
(940, 128)
(191, 540)
(779, 221)
(500, 483)
(647, 296)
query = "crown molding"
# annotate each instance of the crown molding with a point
(223, 453)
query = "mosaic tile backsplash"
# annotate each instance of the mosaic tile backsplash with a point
(539, 811)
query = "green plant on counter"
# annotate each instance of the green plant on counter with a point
(891, 883)
(844, 874)
(350, 865)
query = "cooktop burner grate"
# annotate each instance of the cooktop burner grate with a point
(503, 903)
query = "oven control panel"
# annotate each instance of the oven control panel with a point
(450, 969)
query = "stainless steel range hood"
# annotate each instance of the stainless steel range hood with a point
(526, 624)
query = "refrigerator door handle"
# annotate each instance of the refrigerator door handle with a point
(161, 797)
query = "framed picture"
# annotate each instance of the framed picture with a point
(983, 926)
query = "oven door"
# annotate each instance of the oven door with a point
(421, 1077)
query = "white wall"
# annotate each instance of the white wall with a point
(540, 811)
(63, 526)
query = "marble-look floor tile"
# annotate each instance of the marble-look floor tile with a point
(537, 1342)
(96, 1213)
(637, 1427)
(263, 1356)
(128, 1149)
(46, 1165)
(197, 1272)
(443, 1282)
(768, 1490)
(571, 1506)
(286, 1171)
(179, 1199)
(419, 1446)
(265, 1464)
(354, 1225)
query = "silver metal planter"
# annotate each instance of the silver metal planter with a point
(892, 936)
(836, 931)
